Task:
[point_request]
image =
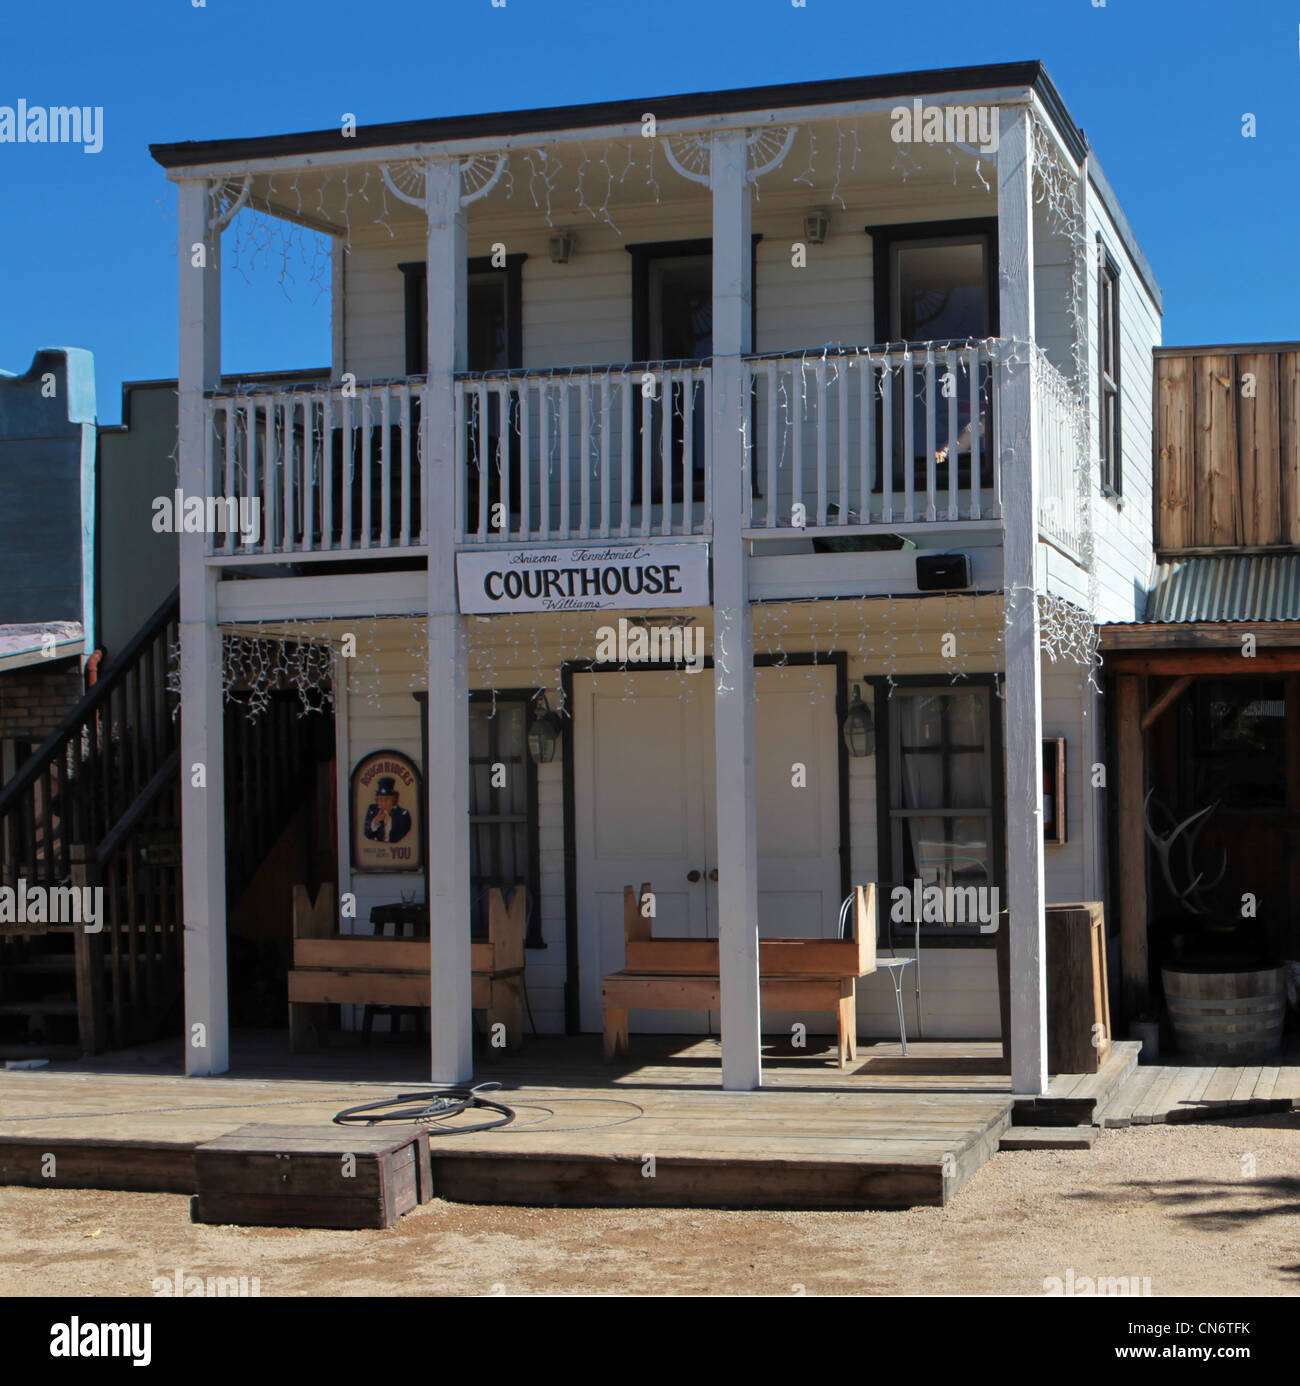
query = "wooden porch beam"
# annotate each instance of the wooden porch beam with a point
(1226, 663)
(1130, 769)
(1164, 701)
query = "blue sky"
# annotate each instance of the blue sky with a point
(87, 241)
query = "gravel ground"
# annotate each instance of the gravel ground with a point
(1196, 1209)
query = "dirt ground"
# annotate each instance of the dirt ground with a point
(1211, 1209)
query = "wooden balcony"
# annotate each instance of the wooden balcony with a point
(848, 441)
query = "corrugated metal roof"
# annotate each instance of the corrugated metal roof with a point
(1231, 587)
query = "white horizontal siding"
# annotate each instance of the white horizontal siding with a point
(1123, 534)
(959, 984)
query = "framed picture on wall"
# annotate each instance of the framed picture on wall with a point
(1054, 791)
(386, 805)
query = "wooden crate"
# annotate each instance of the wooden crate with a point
(300, 1176)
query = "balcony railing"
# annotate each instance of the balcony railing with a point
(318, 471)
(859, 439)
(584, 454)
(1058, 461)
(840, 441)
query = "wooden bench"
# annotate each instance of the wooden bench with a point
(330, 968)
(795, 974)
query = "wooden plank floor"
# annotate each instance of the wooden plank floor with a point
(1171, 1092)
(655, 1131)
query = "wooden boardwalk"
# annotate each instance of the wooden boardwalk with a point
(658, 1132)
(1176, 1093)
(652, 1130)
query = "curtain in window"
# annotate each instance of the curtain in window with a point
(944, 765)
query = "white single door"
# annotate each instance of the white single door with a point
(798, 777)
(639, 799)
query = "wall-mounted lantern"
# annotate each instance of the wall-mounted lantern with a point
(545, 732)
(859, 729)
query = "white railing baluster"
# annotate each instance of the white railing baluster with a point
(845, 507)
(667, 470)
(347, 471)
(706, 524)
(625, 457)
(867, 422)
(823, 418)
(404, 413)
(887, 393)
(327, 470)
(566, 443)
(931, 440)
(770, 372)
(227, 544)
(367, 472)
(544, 458)
(647, 458)
(460, 479)
(525, 458)
(584, 458)
(909, 440)
(606, 481)
(796, 451)
(973, 360)
(954, 468)
(385, 473)
(483, 456)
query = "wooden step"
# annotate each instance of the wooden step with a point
(1076, 1099)
(1048, 1138)
(58, 962)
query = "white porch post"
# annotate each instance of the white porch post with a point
(447, 753)
(733, 631)
(1024, 751)
(203, 821)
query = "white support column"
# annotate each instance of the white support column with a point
(1024, 750)
(203, 821)
(733, 630)
(447, 753)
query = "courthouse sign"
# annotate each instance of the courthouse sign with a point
(586, 577)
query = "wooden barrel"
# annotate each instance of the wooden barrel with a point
(1226, 1017)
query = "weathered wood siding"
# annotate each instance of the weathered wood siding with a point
(1227, 447)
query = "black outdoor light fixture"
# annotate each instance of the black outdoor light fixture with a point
(545, 732)
(859, 730)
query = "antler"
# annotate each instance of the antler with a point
(1192, 897)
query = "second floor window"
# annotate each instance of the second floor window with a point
(1110, 449)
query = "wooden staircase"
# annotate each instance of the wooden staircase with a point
(98, 805)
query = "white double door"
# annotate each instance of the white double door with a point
(645, 810)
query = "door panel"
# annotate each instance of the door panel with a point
(798, 828)
(639, 808)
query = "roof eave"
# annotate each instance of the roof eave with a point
(555, 119)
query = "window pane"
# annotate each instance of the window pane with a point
(943, 750)
(939, 291)
(681, 308)
(486, 308)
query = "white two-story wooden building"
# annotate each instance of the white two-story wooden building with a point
(843, 385)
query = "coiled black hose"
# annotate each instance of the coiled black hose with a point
(432, 1106)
